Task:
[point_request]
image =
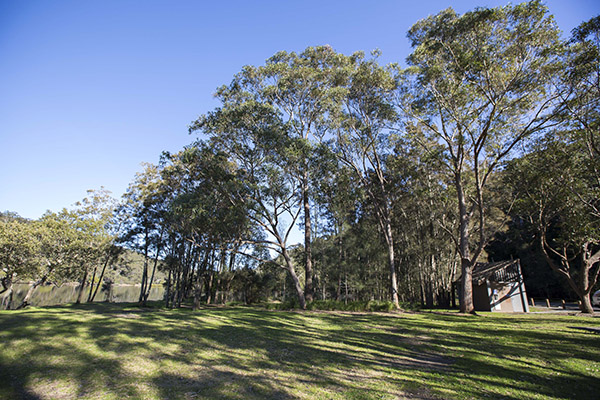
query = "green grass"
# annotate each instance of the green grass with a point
(105, 351)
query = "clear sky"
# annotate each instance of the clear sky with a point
(91, 89)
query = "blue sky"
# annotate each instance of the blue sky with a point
(91, 89)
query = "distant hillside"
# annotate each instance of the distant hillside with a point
(129, 269)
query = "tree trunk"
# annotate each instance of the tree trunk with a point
(82, 287)
(145, 268)
(308, 271)
(149, 288)
(89, 299)
(100, 278)
(290, 268)
(586, 304)
(209, 287)
(466, 294)
(168, 291)
(391, 264)
(338, 293)
(197, 293)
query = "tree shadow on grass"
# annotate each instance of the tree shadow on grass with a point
(236, 353)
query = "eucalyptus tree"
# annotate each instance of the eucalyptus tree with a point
(482, 84)
(93, 220)
(579, 88)
(339, 198)
(202, 212)
(423, 205)
(363, 141)
(303, 90)
(257, 141)
(143, 210)
(559, 198)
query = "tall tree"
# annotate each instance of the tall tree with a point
(144, 203)
(482, 85)
(559, 198)
(302, 88)
(92, 218)
(256, 139)
(363, 143)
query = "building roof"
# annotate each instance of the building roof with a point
(500, 271)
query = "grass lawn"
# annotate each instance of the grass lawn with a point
(107, 351)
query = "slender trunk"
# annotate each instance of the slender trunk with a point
(144, 273)
(106, 260)
(466, 294)
(421, 285)
(346, 287)
(168, 291)
(338, 293)
(89, 298)
(290, 268)
(149, 288)
(391, 263)
(197, 294)
(82, 287)
(177, 293)
(209, 286)
(308, 275)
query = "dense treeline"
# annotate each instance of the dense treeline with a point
(400, 180)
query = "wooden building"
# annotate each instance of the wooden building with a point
(498, 286)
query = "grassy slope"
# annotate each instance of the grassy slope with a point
(117, 351)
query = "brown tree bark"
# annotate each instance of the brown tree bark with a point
(82, 287)
(290, 268)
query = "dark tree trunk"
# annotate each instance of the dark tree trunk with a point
(100, 278)
(89, 299)
(82, 287)
(168, 291)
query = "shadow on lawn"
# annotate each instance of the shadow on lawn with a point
(239, 353)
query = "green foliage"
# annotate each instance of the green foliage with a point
(334, 305)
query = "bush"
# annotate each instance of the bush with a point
(334, 305)
(289, 304)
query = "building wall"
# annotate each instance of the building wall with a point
(508, 297)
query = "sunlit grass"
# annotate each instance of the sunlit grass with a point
(119, 351)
